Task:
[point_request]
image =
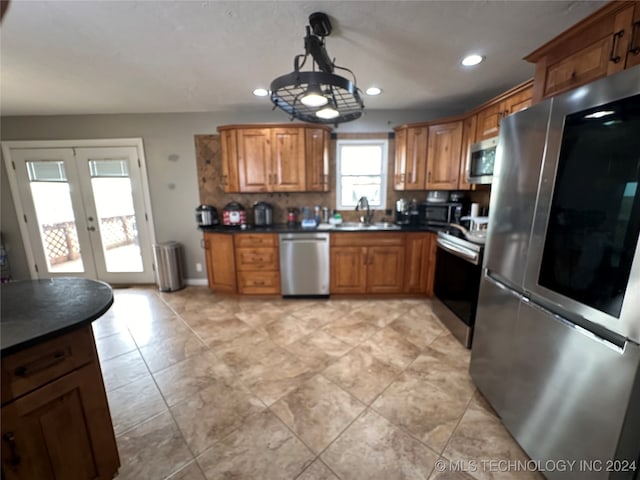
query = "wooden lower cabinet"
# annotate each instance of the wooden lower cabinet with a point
(257, 263)
(348, 270)
(420, 260)
(221, 268)
(367, 263)
(382, 263)
(385, 269)
(62, 429)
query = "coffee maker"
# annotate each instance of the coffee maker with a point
(402, 212)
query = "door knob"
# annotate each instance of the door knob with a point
(90, 219)
(91, 229)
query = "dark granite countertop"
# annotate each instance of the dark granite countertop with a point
(36, 310)
(284, 228)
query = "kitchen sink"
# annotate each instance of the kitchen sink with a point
(357, 226)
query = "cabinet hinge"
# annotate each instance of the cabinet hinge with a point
(153, 267)
(73, 149)
(13, 164)
(35, 265)
(25, 217)
(146, 217)
(139, 164)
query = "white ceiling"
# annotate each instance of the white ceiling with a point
(84, 57)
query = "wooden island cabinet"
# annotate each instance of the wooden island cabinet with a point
(55, 417)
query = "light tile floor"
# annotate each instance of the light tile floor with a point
(204, 386)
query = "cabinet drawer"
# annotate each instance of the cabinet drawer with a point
(35, 366)
(259, 282)
(250, 259)
(256, 240)
(366, 239)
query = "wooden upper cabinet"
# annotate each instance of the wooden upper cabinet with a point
(489, 117)
(254, 159)
(416, 158)
(317, 165)
(488, 121)
(443, 156)
(275, 158)
(229, 150)
(468, 138)
(411, 158)
(400, 165)
(518, 101)
(604, 43)
(633, 51)
(288, 157)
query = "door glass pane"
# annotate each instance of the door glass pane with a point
(56, 222)
(116, 216)
(594, 220)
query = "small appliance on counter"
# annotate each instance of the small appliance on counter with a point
(234, 215)
(262, 214)
(292, 217)
(402, 212)
(414, 213)
(440, 213)
(309, 219)
(437, 196)
(206, 216)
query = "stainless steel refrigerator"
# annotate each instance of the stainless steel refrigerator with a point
(556, 345)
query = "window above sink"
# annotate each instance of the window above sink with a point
(361, 171)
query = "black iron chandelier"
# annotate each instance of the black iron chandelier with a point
(317, 96)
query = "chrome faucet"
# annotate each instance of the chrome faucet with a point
(363, 203)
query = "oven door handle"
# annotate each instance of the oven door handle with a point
(461, 252)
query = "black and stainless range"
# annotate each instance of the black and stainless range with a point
(457, 282)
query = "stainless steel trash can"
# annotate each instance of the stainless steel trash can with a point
(168, 266)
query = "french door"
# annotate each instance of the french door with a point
(84, 211)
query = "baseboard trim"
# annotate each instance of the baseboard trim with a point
(199, 282)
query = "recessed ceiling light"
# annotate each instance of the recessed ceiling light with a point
(373, 91)
(471, 60)
(260, 92)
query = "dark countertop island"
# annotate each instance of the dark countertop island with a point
(33, 311)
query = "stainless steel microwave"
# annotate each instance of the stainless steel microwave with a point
(482, 157)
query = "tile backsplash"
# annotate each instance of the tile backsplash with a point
(209, 167)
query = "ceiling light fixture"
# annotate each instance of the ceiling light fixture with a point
(471, 60)
(301, 94)
(314, 97)
(261, 92)
(373, 91)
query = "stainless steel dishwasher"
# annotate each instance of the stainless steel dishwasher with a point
(304, 264)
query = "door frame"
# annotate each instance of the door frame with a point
(7, 146)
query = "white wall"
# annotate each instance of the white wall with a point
(170, 153)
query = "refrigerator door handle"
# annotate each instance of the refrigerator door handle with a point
(490, 276)
(619, 348)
